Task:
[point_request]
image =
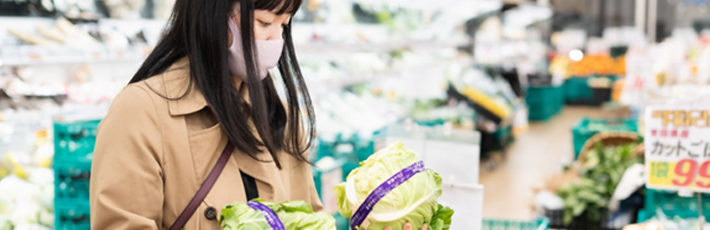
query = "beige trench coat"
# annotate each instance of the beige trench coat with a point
(152, 154)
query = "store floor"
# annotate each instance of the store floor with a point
(537, 154)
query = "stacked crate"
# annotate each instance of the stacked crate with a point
(672, 205)
(74, 146)
(544, 102)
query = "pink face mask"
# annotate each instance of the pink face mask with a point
(267, 54)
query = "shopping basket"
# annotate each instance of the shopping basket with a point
(490, 224)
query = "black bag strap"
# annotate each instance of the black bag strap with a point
(249, 186)
(204, 189)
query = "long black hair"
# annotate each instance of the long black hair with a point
(197, 29)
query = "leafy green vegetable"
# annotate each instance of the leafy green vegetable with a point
(293, 214)
(589, 196)
(442, 218)
(414, 201)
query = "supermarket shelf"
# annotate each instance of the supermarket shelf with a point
(340, 82)
(34, 55)
(59, 61)
(527, 14)
(327, 38)
(14, 52)
(373, 47)
(469, 8)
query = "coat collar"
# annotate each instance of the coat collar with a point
(175, 83)
(184, 96)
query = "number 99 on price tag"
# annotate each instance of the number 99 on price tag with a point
(686, 173)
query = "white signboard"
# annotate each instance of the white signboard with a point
(677, 142)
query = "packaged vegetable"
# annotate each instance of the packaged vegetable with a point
(292, 214)
(414, 201)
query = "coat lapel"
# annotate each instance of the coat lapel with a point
(263, 170)
(206, 149)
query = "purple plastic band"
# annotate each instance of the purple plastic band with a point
(271, 217)
(397, 179)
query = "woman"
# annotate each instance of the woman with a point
(206, 85)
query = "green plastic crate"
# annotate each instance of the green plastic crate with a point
(577, 91)
(430, 123)
(364, 148)
(504, 136)
(71, 180)
(75, 141)
(341, 223)
(358, 149)
(72, 215)
(326, 178)
(672, 205)
(588, 127)
(544, 102)
(540, 224)
(326, 148)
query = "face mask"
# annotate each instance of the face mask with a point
(266, 52)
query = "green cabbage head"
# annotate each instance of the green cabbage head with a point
(295, 215)
(414, 201)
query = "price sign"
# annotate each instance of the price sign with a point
(677, 142)
(639, 78)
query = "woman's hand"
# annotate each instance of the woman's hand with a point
(408, 226)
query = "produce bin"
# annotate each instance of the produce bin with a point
(74, 141)
(540, 224)
(544, 102)
(492, 142)
(365, 147)
(74, 147)
(578, 91)
(350, 150)
(327, 173)
(430, 123)
(71, 180)
(672, 205)
(581, 223)
(588, 127)
(72, 215)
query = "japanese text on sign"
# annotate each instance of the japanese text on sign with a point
(677, 142)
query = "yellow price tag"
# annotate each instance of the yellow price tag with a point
(686, 173)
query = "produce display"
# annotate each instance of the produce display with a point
(27, 199)
(598, 65)
(414, 201)
(665, 223)
(588, 196)
(294, 215)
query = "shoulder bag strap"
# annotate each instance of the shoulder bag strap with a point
(204, 189)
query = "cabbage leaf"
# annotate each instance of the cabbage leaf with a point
(415, 201)
(293, 214)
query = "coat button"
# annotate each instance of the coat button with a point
(211, 213)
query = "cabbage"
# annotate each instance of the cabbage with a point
(293, 214)
(414, 201)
